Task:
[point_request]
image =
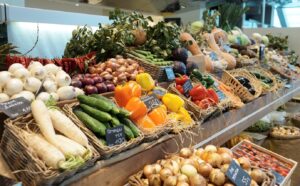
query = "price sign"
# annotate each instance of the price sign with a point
(237, 175)
(151, 101)
(220, 94)
(279, 178)
(262, 52)
(115, 135)
(213, 56)
(15, 107)
(159, 92)
(227, 48)
(170, 73)
(187, 86)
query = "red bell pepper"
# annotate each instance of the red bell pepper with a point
(199, 93)
(205, 103)
(181, 80)
(211, 93)
(180, 89)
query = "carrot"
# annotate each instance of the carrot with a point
(65, 126)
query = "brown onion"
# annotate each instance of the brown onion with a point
(181, 183)
(165, 173)
(214, 159)
(253, 183)
(170, 181)
(154, 180)
(199, 152)
(210, 148)
(197, 180)
(226, 158)
(229, 184)
(224, 168)
(172, 165)
(185, 152)
(156, 168)
(244, 162)
(148, 170)
(204, 169)
(217, 177)
(258, 175)
(182, 178)
(225, 150)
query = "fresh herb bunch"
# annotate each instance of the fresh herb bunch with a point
(293, 57)
(210, 20)
(6, 49)
(278, 42)
(163, 38)
(79, 43)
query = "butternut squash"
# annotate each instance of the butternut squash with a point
(193, 48)
(219, 34)
(213, 45)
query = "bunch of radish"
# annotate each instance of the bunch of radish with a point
(66, 150)
(36, 82)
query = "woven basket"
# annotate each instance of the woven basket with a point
(268, 74)
(200, 114)
(139, 179)
(274, 135)
(229, 79)
(157, 72)
(24, 162)
(105, 151)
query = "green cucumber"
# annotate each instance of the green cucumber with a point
(115, 108)
(97, 114)
(103, 141)
(115, 122)
(128, 133)
(124, 113)
(94, 102)
(132, 126)
(93, 124)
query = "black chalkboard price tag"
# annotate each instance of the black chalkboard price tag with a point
(15, 107)
(279, 178)
(115, 135)
(170, 73)
(187, 86)
(151, 101)
(237, 175)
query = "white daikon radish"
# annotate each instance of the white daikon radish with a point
(21, 73)
(43, 96)
(64, 125)
(70, 146)
(27, 95)
(54, 96)
(42, 117)
(47, 152)
(38, 72)
(50, 86)
(52, 69)
(13, 86)
(3, 97)
(14, 67)
(78, 91)
(34, 64)
(32, 84)
(5, 76)
(66, 93)
(63, 79)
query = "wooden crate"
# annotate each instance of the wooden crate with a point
(291, 162)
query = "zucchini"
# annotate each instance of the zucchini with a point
(132, 126)
(115, 108)
(128, 133)
(94, 102)
(97, 114)
(93, 124)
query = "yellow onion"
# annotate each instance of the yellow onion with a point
(224, 168)
(148, 170)
(204, 169)
(228, 184)
(214, 159)
(197, 180)
(226, 158)
(258, 175)
(199, 152)
(244, 162)
(225, 150)
(170, 181)
(188, 170)
(154, 180)
(210, 148)
(156, 168)
(172, 165)
(165, 173)
(253, 183)
(182, 178)
(185, 152)
(217, 177)
(181, 183)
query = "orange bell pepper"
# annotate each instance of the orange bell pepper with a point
(123, 93)
(137, 108)
(145, 123)
(159, 115)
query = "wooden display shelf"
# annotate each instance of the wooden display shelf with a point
(116, 170)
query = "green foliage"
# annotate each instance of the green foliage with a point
(293, 58)
(230, 15)
(210, 20)
(278, 42)
(79, 43)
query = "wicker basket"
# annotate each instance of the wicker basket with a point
(105, 151)
(229, 79)
(24, 162)
(268, 74)
(157, 72)
(201, 115)
(274, 135)
(139, 179)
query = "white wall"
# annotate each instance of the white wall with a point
(293, 33)
(186, 16)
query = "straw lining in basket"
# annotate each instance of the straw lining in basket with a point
(229, 79)
(273, 135)
(105, 151)
(24, 162)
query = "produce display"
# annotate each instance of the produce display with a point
(262, 159)
(260, 126)
(99, 113)
(285, 132)
(150, 58)
(36, 82)
(204, 166)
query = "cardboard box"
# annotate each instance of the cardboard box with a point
(282, 159)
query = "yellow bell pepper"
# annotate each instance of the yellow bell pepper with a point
(172, 102)
(186, 117)
(175, 116)
(146, 81)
